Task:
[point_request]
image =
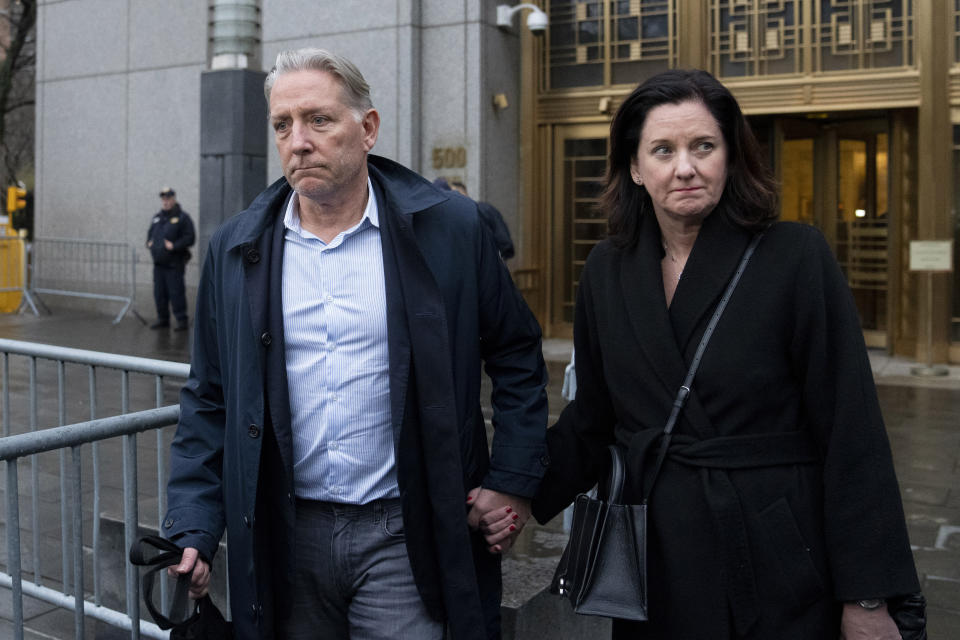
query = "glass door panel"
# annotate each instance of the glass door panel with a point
(862, 229)
(796, 182)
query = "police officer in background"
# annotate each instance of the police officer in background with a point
(169, 238)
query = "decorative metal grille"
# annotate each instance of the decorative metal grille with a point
(756, 37)
(863, 34)
(584, 165)
(769, 37)
(595, 43)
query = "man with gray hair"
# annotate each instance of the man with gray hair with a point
(331, 423)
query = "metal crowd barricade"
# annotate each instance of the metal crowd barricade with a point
(23, 438)
(85, 269)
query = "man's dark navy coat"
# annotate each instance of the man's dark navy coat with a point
(451, 304)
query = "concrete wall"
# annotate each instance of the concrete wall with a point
(118, 94)
(118, 91)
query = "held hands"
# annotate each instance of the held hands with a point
(191, 561)
(498, 516)
(858, 623)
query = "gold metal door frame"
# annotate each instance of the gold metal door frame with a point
(564, 263)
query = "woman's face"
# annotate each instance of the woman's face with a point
(681, 161)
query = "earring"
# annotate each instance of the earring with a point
(637, 180)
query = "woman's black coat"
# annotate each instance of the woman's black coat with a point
(778, 500)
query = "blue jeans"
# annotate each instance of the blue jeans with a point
(353, 578)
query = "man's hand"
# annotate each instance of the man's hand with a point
(168, 244)
(498, 516)
(858, 623)
(191, 561)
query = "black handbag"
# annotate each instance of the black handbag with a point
(205, 622)
(603, 569)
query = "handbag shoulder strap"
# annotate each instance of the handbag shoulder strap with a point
(684, 392)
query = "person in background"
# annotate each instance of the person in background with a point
(331, 422)
(777, 512)
(169, 239)
(490, 215)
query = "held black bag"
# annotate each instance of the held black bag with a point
(603, 569)
(910, 614)
(205, 622)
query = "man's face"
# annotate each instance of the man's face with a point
(322, 141)
(167, 202)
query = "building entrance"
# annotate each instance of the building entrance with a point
(834, 174)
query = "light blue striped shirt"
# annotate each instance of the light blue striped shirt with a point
(338, 374)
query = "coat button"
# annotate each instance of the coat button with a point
(253, 431)
(168, 523)
(246, 521)
(545, 459)
(253, 256)
(266, 339)
(253, 611)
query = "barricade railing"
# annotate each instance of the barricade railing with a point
(85, 269)
(22, 414)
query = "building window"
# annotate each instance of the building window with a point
(764, 37)
(955, 316)
(599, 44)
(956, 31)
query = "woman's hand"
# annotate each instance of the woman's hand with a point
(858, 623)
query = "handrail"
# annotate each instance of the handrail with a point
(96, 358)
(71, 435)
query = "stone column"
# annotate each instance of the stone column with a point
(233, 118)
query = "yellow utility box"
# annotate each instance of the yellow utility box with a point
(12, 253)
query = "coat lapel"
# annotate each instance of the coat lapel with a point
(641, 285)
(431, 456)
(715, 257)
(716, 254)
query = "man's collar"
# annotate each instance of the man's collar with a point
(291, 215)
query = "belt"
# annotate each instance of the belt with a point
(715, 457)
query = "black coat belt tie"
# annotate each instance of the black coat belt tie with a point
(714, 457)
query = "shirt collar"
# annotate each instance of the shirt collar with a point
(291, 216)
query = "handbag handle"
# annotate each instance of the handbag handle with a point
(169, 555)
(684, 392)
(614, 487)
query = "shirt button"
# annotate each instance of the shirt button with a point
(334, 397)
(246, 521)
(253, 431)
(333, 446)
(329, 298)
(266, 338)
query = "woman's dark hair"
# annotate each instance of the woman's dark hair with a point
(749, 198)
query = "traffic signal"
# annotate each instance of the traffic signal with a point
(16, 199)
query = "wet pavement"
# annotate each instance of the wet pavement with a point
(922, 416)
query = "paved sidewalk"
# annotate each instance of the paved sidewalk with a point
(922, 416)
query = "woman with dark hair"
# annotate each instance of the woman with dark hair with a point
(776, 514)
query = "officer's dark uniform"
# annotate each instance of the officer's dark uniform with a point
(176, 226)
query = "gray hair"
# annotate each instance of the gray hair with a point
(355, 88)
